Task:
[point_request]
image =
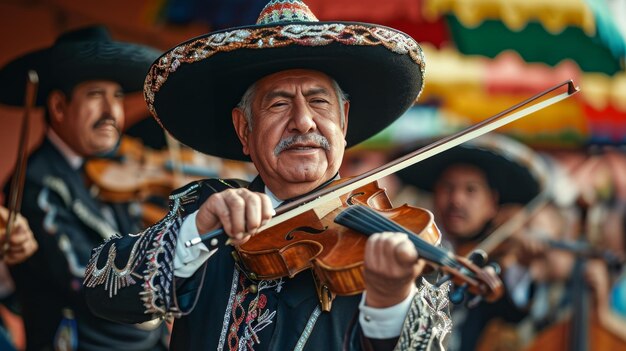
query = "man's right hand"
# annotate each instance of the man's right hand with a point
(240, 212)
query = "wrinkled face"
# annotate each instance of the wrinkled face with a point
(463, 201)
(296, 139)
(90, 121)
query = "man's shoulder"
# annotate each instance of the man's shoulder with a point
(206, 187)
(191, 196)
(41, 162)
(37, 167)
(219, 184)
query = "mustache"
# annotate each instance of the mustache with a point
(457, 211)
(311, 138)
(106, 118)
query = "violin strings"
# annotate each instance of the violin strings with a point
(379, 223)
(368, 221)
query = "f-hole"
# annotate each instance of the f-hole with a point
(350, 200)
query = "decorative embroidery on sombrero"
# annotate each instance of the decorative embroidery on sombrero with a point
(285, 11)
(276, 37)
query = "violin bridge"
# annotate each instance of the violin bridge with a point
(329, 206)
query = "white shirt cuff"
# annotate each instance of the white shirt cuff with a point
(384, 323)
(517, 279)
(187, 260)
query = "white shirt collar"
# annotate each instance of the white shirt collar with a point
(275, 201)
(73, 158)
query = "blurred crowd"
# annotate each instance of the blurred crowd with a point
(561, 248)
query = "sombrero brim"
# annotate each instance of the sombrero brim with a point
(64, 65)
(193, 100)
(517, 173)
(13, 78)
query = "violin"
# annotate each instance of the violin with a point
(137, 173)
(332, 244)
(133, 173)
(582, 330)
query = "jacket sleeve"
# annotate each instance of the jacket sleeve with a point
(130, 278)
(427, 325)
(57, 262)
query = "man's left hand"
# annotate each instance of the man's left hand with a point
(391, 266)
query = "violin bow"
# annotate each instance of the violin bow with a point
(17, 182)
(328, 197)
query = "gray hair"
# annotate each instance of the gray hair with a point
(245, 104)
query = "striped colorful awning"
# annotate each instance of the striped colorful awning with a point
(540, 31)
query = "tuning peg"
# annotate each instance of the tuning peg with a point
(496, 267)
(478, 257)
(457, 294)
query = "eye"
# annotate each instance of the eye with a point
(278, 104)
(95, 92)
(319, 101)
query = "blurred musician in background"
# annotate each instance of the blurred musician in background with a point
(82, 81)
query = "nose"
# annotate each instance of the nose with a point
(113, 106)
(107, 103)
(302, 120)
(456, 196)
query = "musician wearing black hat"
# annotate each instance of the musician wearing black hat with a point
(289, 94)
(470, 186)
(83, 78)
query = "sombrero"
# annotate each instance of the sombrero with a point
(518, 173)
(84, 54)
(192, 88)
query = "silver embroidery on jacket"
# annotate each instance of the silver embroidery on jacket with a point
(153, 250)
(427, 324)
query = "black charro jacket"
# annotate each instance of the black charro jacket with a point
(67, 222)
(219, 307)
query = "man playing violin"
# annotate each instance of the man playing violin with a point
(275, 93)
(83, 78)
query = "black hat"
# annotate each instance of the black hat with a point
(193, 87)
(514, 170)
(77, 56)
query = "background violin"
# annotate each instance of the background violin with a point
(138, 173)
(582, 330)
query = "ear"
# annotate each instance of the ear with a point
(241, 127)
(346, 112)
(56, 107)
